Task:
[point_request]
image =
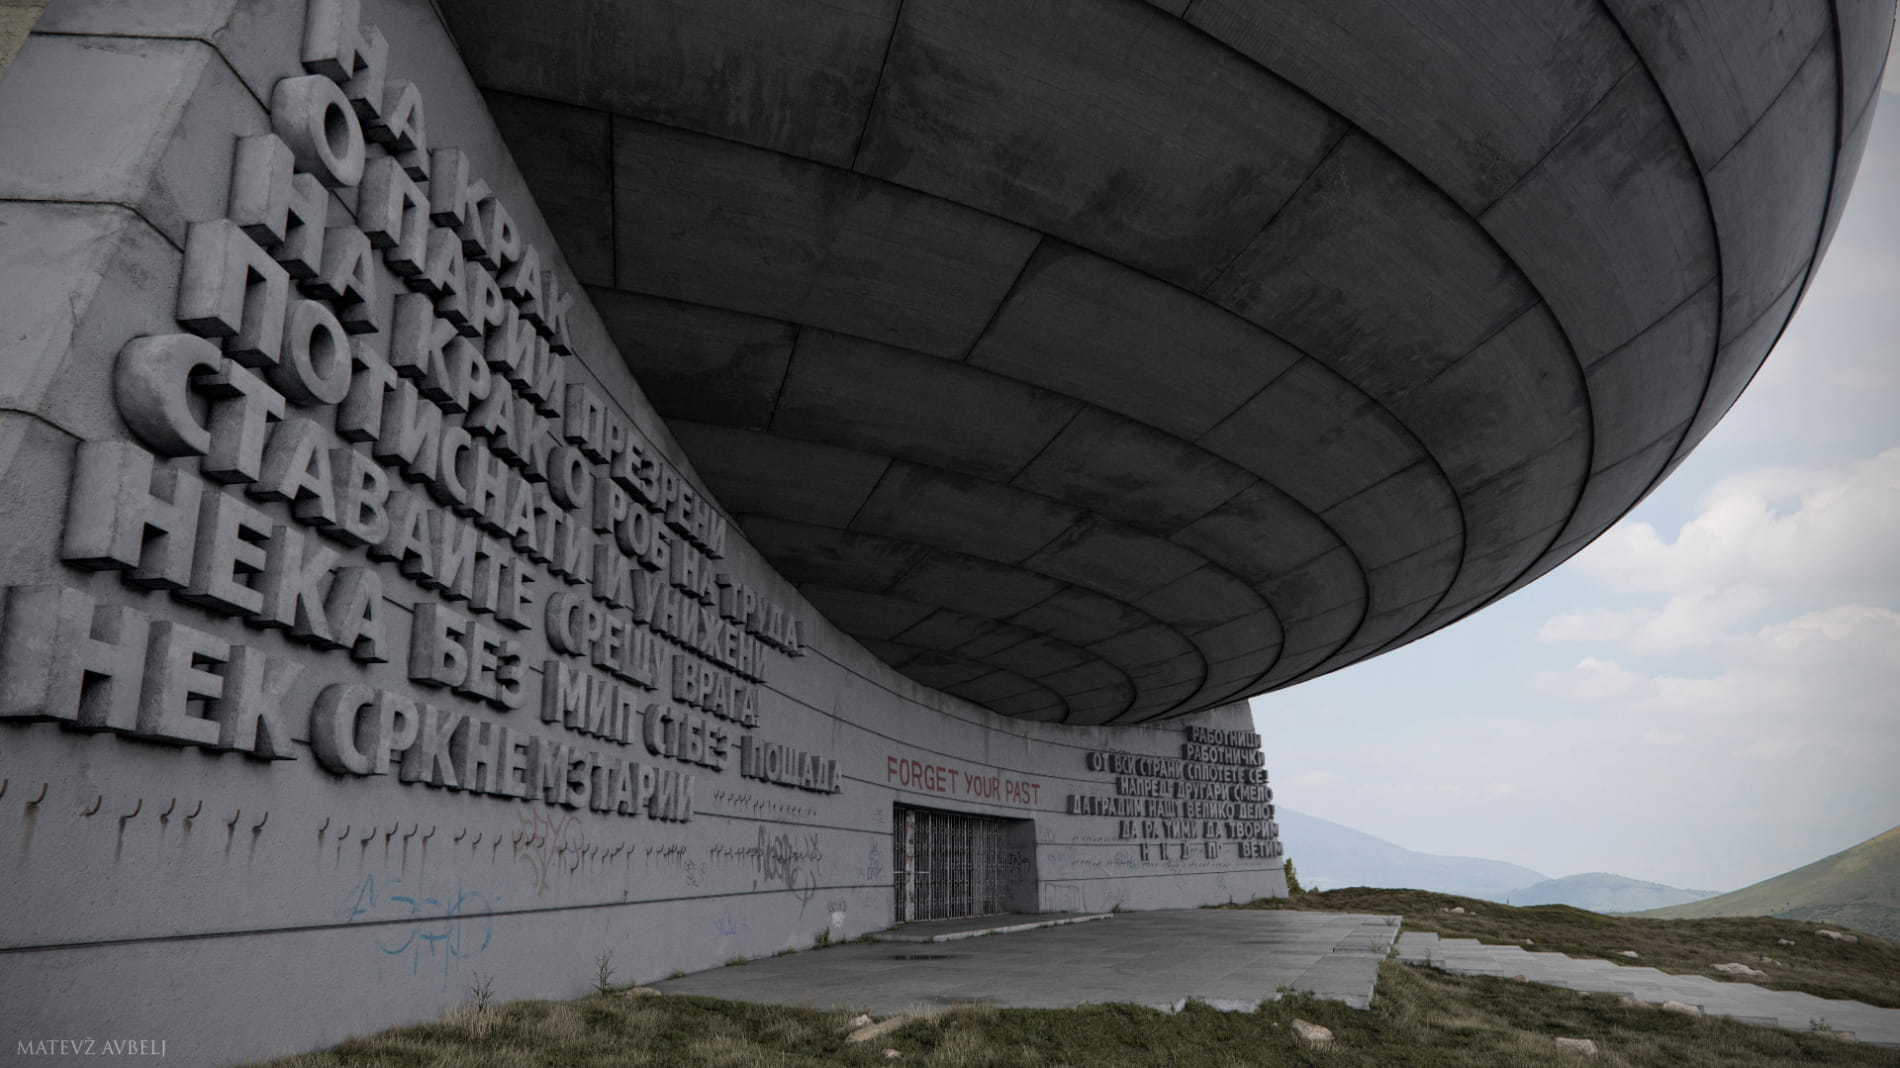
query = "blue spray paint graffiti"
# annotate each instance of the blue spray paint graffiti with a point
(448, 928)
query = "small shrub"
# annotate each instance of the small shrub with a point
(604, 972)
(1292, 879)
(481, 992)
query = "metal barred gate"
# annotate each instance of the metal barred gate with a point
(948, 865)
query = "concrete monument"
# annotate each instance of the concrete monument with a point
(492, 487)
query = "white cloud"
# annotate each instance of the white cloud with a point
(1590, 680)
(1600, 625)
(1664, 738)
(1813, 535)
(1689, 620)
(1823, 682)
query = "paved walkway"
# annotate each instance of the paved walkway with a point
(1741, 1001)
(1229, 958)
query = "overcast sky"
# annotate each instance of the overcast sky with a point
(1709, 694)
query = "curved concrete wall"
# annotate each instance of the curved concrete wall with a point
(272, 770)
(1137, 357)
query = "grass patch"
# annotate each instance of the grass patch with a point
(1866, 971)
(1421, 1018)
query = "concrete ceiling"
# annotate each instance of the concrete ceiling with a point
(1103, 361)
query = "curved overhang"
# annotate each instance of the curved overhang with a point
(1104, 362)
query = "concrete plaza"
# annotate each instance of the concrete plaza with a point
(1231, 959)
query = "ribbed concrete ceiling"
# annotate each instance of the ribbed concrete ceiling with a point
(1102, 361)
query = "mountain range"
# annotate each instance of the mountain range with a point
(1858, 887)
(1331, 855)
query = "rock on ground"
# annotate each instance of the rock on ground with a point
(1736, 968)
(1838, 936)
(1581, 1045)
(1312, 1034)
(1627, 953)
(1677, 1006)
(882, 1027)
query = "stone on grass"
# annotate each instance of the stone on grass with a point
(1677, 1006)
(1784, 941)
(1838, 936)
(1736, 968)
(640, 992)
(1627, 953)
(879, 1029)
(1312, 1034)
(891, 1054)
(862, 1019)
(1581, 1045)
(1631, 1001)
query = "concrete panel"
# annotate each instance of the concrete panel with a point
(1035, 111)
(249, 36)
(1375, 273)
(1254, 635)
(1258, 534)
(807, 553)
(1650, 385)
(713, 222)
(1145, 478)
(1314, 438)
(1322, 585)
(1506, 536)
(1149, 650)
(801, 481)
(566, 155)
(1517, 394)
(1115, 560)
(1089, 327)
(1080, 617)
(697, 363)
(1613, 226)
(974, 586)
(946, 629)
(869, 396)
(933, 507)
(82, 281)
(1470, 94)
(1206, 597)
(1419, 493)
(1721, 63)
(144, 124)
(1768, 240)
(1038, 655)
(872, 614)
(796, 77)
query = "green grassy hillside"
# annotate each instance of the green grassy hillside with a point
(1857, 888)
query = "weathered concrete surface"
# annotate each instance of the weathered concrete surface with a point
(231, 825)
(1745, 1002)
(1230, 959)
(1129, 360)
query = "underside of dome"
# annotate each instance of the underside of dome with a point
(1101, 362)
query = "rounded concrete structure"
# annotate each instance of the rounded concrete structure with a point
(1104, 362)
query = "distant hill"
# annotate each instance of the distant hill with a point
(1857, 887)
(1600, 891)
(1329, 855)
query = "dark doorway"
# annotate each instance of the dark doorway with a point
(950, 864)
